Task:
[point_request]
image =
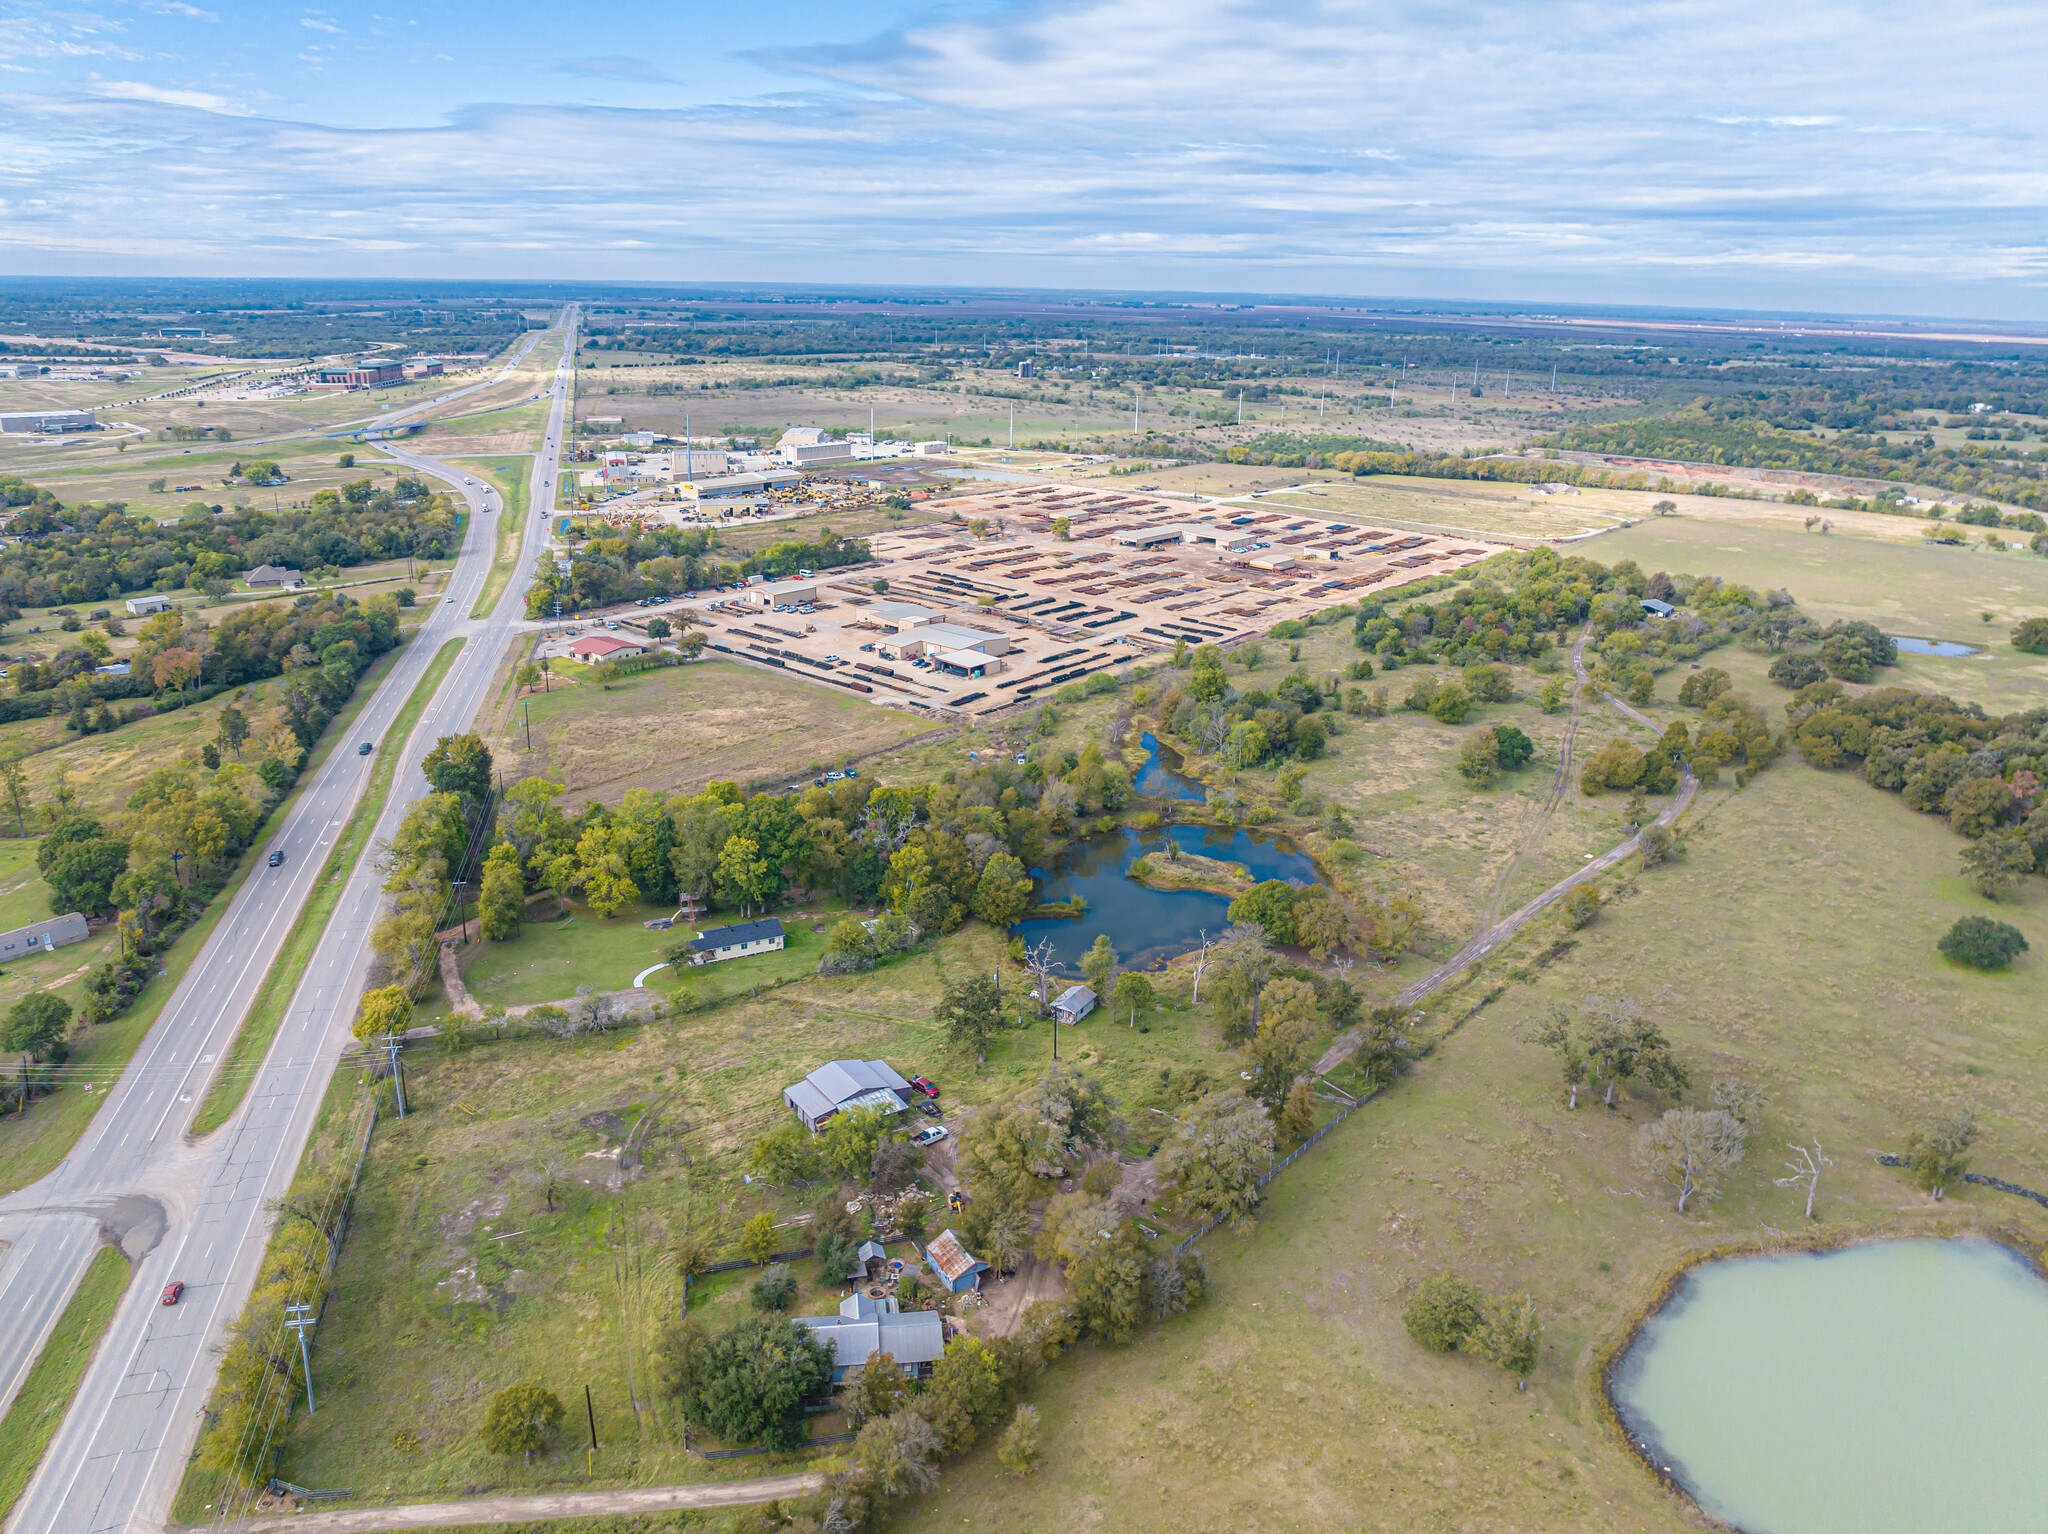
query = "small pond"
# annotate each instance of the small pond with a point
(1159, 776)
(1895, 1388)
(1149, 926)
(1947, 647)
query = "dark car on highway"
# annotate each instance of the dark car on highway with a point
(276, 859)
(363, 749)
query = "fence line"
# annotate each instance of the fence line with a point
(1982, 1181)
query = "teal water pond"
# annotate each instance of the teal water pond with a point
(1895, 1388)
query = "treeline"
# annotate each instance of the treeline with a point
(95, 552)
(622, 565)
(1972, 470)
(1513, 471)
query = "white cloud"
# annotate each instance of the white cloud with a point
(178, 8)
(320, 23)
(1353, 145)
(136, 90)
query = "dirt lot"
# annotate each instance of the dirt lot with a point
(678, 729)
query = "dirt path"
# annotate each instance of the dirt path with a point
(1487, 940)
(569, 1504)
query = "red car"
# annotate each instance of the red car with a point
(929, 1088)
(173, 1290)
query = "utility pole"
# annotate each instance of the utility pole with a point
(391, 1044)
(299, 1322)
(527, 709)
(590, 1414)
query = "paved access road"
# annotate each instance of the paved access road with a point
(193, 1210)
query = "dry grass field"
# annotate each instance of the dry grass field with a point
(676, 730)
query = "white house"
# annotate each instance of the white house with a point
(1074, 1003)
(144, 605)
(736, 941)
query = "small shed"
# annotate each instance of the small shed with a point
(141, 606)
(953, 1265)
(1655, 608)
(864, 1261)
(1074, 1003)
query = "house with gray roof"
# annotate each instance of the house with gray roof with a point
(841, 1085)
(1074, 1003)
(865, 1326)
(714, 944)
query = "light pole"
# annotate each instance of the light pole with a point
(299, 1322)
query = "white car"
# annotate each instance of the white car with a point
(929, 1136)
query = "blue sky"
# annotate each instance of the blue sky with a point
(1824, 155)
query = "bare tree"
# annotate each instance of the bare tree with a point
(1690, 1148)
(1805, 1169)
(1038, 959)
(1737, 1098)
(1201, 961)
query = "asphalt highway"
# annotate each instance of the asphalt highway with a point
(193, 1210)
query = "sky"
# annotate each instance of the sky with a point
(1866, 158)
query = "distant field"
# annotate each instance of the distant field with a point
(678, 729)
(1905, 588)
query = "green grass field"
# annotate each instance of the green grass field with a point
(1921, 590)
(252, 1039)
(1794, 946)
(511, 476)
(38, 1408)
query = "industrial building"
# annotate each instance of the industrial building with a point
(368, 374)
(48, 421)
(723, 486)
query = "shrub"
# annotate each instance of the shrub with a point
(1287, 628)
(520, 1419)
(1443, 1314)
(1451, 704)
(1983, 943)
(774, 1290)
(1582, 905)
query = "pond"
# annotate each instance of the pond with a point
(1897, 1386)
(1148, 926)
(1946, 647)
(1159, 777)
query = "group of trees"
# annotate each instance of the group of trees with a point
(96, 552)
(1448, 1315)
(437, 842)
(1249, 726)
(1983, 774)
(621, 564)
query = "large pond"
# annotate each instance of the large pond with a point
(1946, 647)
(1148, 926)
(1894, 1388)
(1159, 777)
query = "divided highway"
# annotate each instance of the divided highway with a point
(193, 1210)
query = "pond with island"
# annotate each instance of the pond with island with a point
(1896, 1387)
(1147, 926)
(1943, 647)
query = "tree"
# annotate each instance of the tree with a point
(234, 729)
(1298, 1113)
(503, 900)
(894, 1164)
(1002, 892)
(1444, 1313)
(1582, 905)
(1510, 1335)
(1079, 1114)
(1620, 1044)
(2031, 635)
(14, 784)
(787, 1153)
(381, 1012)
(604, 866)
(876, 1390)
(460, 765)
(36, 1023)
(971, 1014)
(1983, 943)
(774, 1290)
(1451, 704)
(1131, 995)
(1805, 1170)
(965, 1393)
(1511, 748)
(520, 1419)
(1323, 921)
(750, 1381)
(1936, 1152)
(1018, 1452)
(1553, 696)
(176, 667)
(1479, 761)
(757, 1237)
(847, 1147)
(743, 874)
(1268, 906)
(1691, 1148)
(1217, 1155)
(658, 628)
(81, 865)
(1997, 862)
(1099, 963)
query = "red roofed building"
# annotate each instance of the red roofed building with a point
(601, 647)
